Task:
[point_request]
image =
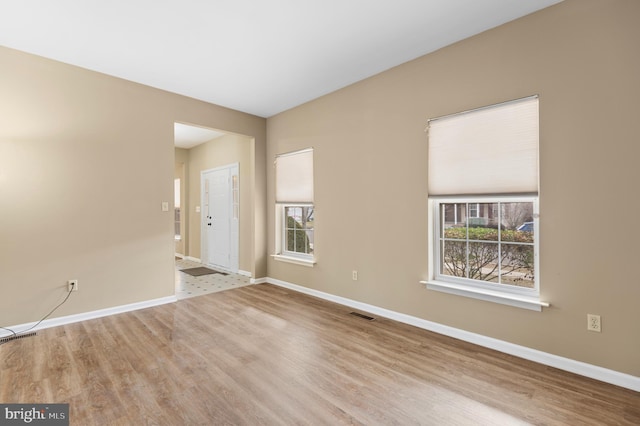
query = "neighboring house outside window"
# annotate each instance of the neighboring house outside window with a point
(485, 243)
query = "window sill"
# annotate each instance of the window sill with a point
(532, 303)
(295, 260)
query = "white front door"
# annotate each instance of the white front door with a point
(219, 218)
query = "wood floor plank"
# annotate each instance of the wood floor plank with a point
(263, 355)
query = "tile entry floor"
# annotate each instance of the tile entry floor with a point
(189, 286)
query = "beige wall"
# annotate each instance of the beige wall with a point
(85, 162)
(582, 58)
(228, 149)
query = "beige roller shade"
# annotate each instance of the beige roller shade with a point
(294, 177)
(491, 150)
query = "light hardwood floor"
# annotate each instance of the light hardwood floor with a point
(265, 355)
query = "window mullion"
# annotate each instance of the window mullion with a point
(467, 267)
(499, 242)
(440, 247)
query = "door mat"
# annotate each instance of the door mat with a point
(196, 272)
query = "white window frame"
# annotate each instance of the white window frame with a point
(528, 298)
(282, 254)
(477, 208)
(285, 251)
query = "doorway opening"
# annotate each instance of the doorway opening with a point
(217, 178)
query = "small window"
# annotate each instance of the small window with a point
(295, 212)
(474, 210)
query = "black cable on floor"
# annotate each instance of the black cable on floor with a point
(18, 334)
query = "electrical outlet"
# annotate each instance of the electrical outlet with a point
(72, 285)
(354, 275)
(593, 323)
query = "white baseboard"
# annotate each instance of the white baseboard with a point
(180, 255)
(258, 280)
(193, 259)
(588, 370)
(244, 273)
(69, 319)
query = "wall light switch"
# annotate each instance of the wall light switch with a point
(165, 206)
(197, 209)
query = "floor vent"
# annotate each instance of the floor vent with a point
(357, 314)
(16, 336)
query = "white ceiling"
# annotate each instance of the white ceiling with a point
(256, 56)
(189, 136)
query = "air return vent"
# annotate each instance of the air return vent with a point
(363, 316)
(16, 336)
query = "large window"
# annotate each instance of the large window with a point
(483, 193)
(295, 213)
